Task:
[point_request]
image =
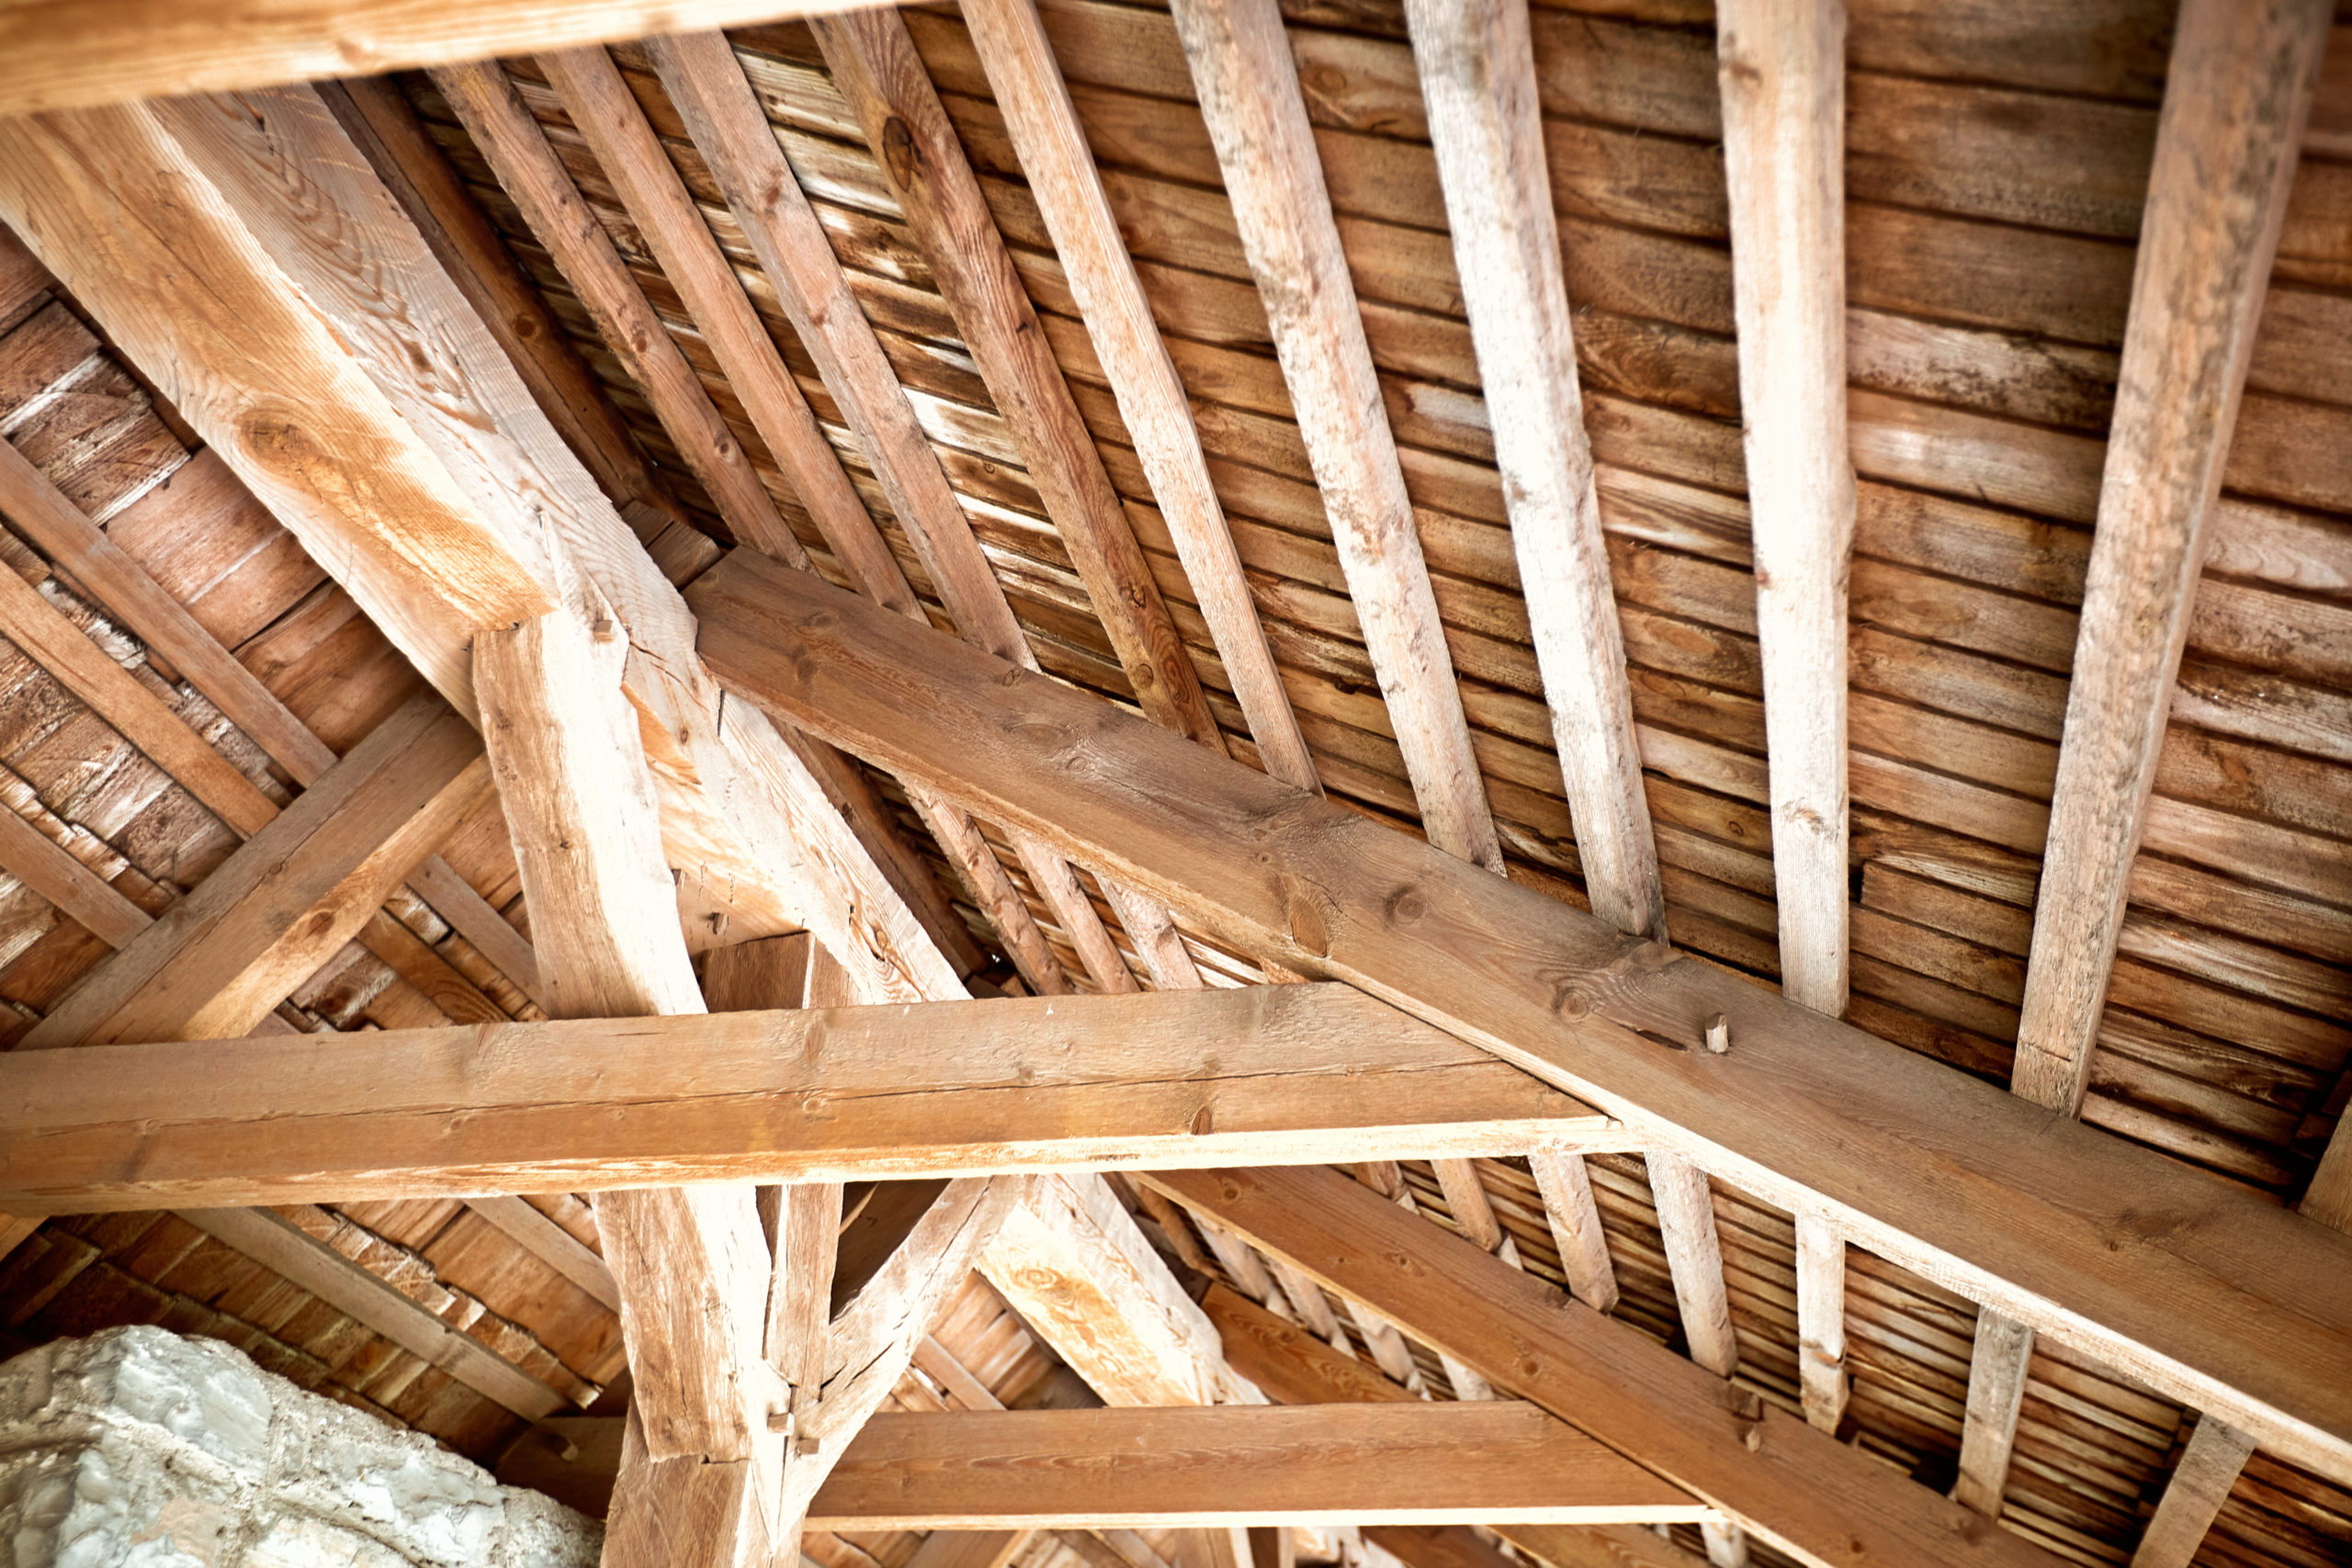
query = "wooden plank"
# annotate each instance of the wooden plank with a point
(1783, 72)
(2235, 101)
(1477, 72)
(1249, 89)
(1997, 1373)
(1576, 1225)
(1301, 1073)
(1052, 147)
(310, 1264)
(1821, 1320)
(1957, 1179)
(875, 67)
(1079, 1273)
(2209, 1465)
(1798, 1488)
(206, 308)
(61, 55)
(293, 893)
(34, 859)
(1686, 1217)
(1215, 1466)
(550, 1243)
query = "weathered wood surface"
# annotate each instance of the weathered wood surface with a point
(2210, 1462)
(1217, 1465)
(1300, 1072)
(1798, 1488)
(1801, 1111)
(2239, 92)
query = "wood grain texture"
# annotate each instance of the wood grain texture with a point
(34, 859)
(1821, 1322)
(1783, 73)
(1798, 1488)
(1053, 150)
(293, 893)
(1574, 1223)
(1221, 1466)
(2236, 102)
(1686, 1218)
(1969, 1185)
(278, 1245)
(550, 1244)
(61, 56)
(1997, 1373)
(2209, 1468)
(1248, 90)
(1303, 1073)
(1477, 72)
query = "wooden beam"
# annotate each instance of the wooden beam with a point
(550, 1243)
(1575, 1221)
(1686, 1217)
(227, 295)
(875, 67)
(1052, 147)
(2236, 96)
(1821, 1320)
(61, 55)
(49, 869)
(2049, 1223)
(1478, 71)
(1997, 1374)
(296, 891)
(1074, 1266)
(1217, 1466)
(1782, 66)
(1800, 1489)
(1241, 65)
(310, 1264)
(2209, 1468)
(1300, 1072)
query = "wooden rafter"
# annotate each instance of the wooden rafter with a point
(1215, 1466)
(1249, 89)
(1799, 1110)
(1798, 1488)
(1477, 74)
(443, 545)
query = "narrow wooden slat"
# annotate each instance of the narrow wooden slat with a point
(1782, 66)
(1576, 1225)
(32, 858)
(15, 1231)
(1802, 1111)
(1996, 1373)
(550, 1243)
(311, 1265)
(292, 895)
(1477, 72)
(1686, 1216)
(1249, 89)
(2201, 1484)
(1052, 147)
(1223, 1465)
(1821, 1320)
(2236, 97)
(1798, 1488)
(1466, 1199)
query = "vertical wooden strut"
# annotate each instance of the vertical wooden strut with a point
(1241, 67)
(1052, 146)
(1477, 68)
(2239, 92)
(1782, 66)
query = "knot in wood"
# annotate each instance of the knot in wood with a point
(901, 152)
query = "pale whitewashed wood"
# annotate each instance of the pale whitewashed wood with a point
(1222, 1466)
(1249, 89)
(2209, 1464)
(1576, 1225)
(1477, 72)
(1081, 1274)
(1686, 1216)
(61, 54)
(1996, 1373)
(2236, 97)
(1821, 1320)
(1062, 176)
(1782, 67)
(2047, 1219)
(1726, 1543)
(1466, 1199)
(203, 305)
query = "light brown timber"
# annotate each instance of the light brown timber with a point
(1686, 1218)
(1821, 1320)
(2209, 1468)
(1800, 1109)
(1997, 1373)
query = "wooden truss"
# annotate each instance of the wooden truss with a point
(284, 263)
